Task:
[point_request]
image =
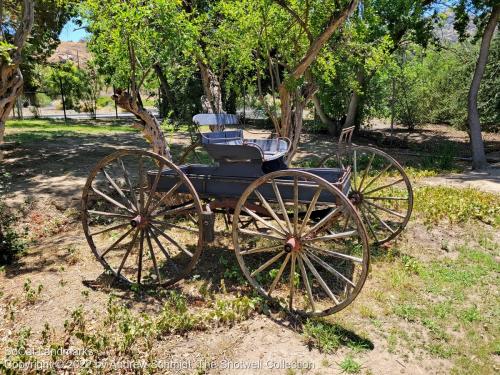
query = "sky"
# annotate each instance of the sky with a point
(70, 33)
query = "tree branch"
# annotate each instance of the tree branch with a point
(294, 14)
(24, 29)
(320, 41)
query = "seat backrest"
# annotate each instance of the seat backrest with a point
(234, 153)
(216, 119)
(227, 137)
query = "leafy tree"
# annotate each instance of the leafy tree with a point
(43, 20)
(486, 15)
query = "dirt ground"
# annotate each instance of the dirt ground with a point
(47, 180)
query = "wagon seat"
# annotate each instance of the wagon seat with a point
(222, 145)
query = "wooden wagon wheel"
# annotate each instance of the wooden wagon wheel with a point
(312, 256)
(380, 189)
(140, 233)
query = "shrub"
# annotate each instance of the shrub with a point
(10, 242)
(104, 101)
(42, 99)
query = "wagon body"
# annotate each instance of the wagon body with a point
(218, 183)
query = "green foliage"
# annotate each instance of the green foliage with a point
(42, 99)
(436, 203)
(104, 101)
(350, 366)
(329, 337)
(11, 243)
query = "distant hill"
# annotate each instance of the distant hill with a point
(71, 51)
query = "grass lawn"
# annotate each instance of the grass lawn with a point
(35, 130)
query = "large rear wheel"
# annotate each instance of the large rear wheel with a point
(310, 251)
(380, 190)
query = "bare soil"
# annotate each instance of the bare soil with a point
(47, 179)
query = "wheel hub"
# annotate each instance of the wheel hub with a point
(139, 222)
(292, 244)
(356, 197)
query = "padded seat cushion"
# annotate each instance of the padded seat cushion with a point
(271, 148)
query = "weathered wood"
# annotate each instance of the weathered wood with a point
(148, 123)
(11, 78)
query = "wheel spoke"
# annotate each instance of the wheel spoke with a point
(333, 236)
(306, 282)
(278, 275)
(109, 229)
(282, 206)
(386, 210)
(335, 254)
(153, 188)
(127, 253)
(370, 226)
(295, 209)
(330, 269)
(386, 168)
(127, 179)
(259, 234)
(269, 209)
(261, 220)
(386, 198)
(157, 240)
(261, 250)
(319, 278)
(310, 209)
(384, 224)
(172, 241)
(109, 214)
(161, 223)
(114, 244)
(118, 190)
(382, 187)
(141, 184)
(111, 200)
(320, 224)
(165, 197)
(175, 211)
(291, 281)
(267, 264)
(153, 257)
(139, 265)
(365, 173)
(355, 165)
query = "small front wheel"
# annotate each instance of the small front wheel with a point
(310, 252)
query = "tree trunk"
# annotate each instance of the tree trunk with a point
(211, 102)
(11, 86)
(294, 102)
(11, 78)
(352, 110)
(325, 119)
(148, 124)
(165, 91)
(477, 145)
